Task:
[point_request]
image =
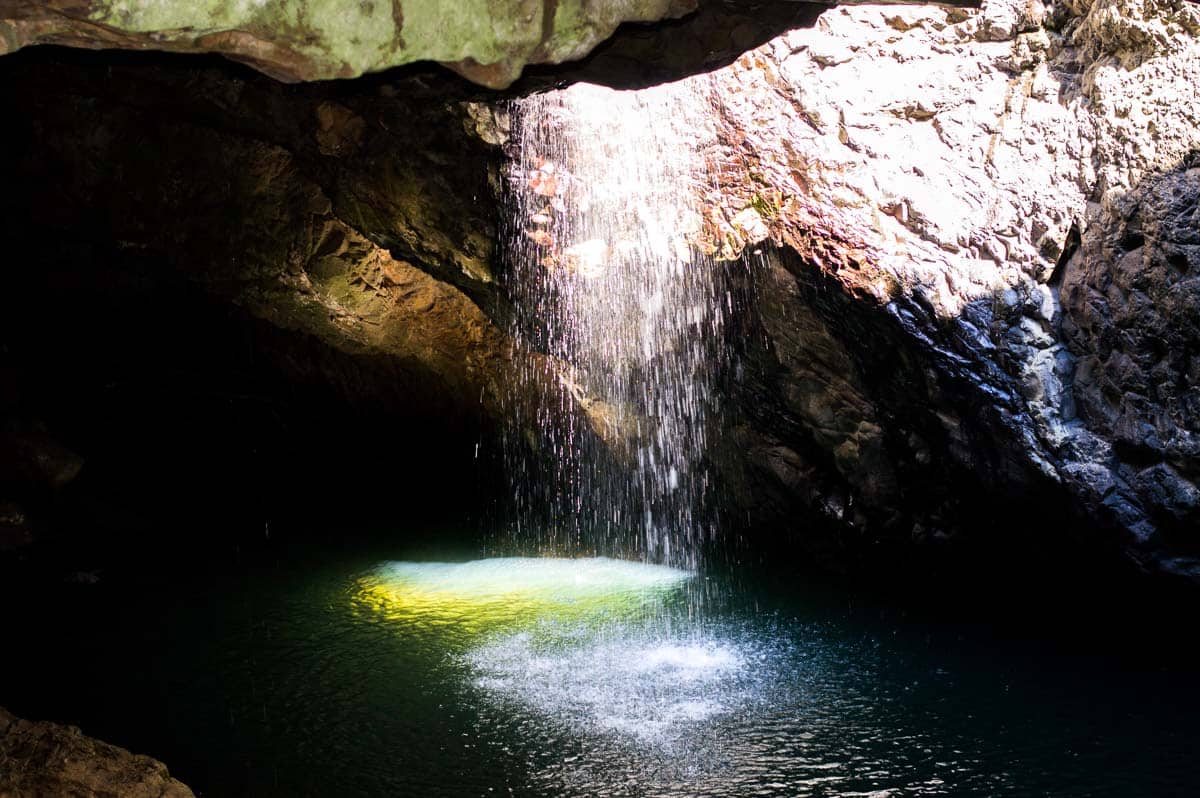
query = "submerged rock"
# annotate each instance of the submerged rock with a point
(44, 759)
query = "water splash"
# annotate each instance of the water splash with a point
(595, 648)
(632, 683)
(608, 284)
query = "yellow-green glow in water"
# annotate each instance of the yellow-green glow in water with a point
(505, 592)
(600, 646)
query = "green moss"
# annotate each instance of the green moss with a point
(365, 35)
(339, 289)
(486, 31)
(361, 34)
(765, 208)
(370, 35)
(571, 28)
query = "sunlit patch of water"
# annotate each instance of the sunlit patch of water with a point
(501, 593)
(330, 675)
(593, 646)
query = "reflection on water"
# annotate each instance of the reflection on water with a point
(596, 644)
(337, 676)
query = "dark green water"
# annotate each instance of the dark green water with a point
(316, 672)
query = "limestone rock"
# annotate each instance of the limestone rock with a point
(485, 41)
(43, 759)
(357, 222)
(971, 235)
(1016, 187)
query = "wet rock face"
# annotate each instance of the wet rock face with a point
(1132, 311)
(51, 759)
(1001, 203)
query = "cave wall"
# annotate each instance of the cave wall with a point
(964, 245)
(969, 317)
(194, 315)
(978, 237)
(1131, 300)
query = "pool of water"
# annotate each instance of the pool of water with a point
(343, 674)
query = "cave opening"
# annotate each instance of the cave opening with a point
(780, 400)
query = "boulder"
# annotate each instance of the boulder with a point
(41, 758)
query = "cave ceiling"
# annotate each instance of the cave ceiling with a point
(488, 42)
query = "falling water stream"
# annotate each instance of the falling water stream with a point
(611, 286)
(607, 282)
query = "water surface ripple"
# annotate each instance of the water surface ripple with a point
(591, 678)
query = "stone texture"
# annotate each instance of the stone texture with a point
(713, 36)
(1015, 189)
(485, 41)
(489, 43)
(44, 759)
(970, 311)
(306, 210)
(1131, 298)
(348, 230)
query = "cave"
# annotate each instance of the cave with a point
(668, 397)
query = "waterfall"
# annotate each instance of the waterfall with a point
(608, 284)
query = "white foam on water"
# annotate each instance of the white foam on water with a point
(629, 682)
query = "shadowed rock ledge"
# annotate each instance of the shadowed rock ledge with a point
(487, 42)
(39, 759)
